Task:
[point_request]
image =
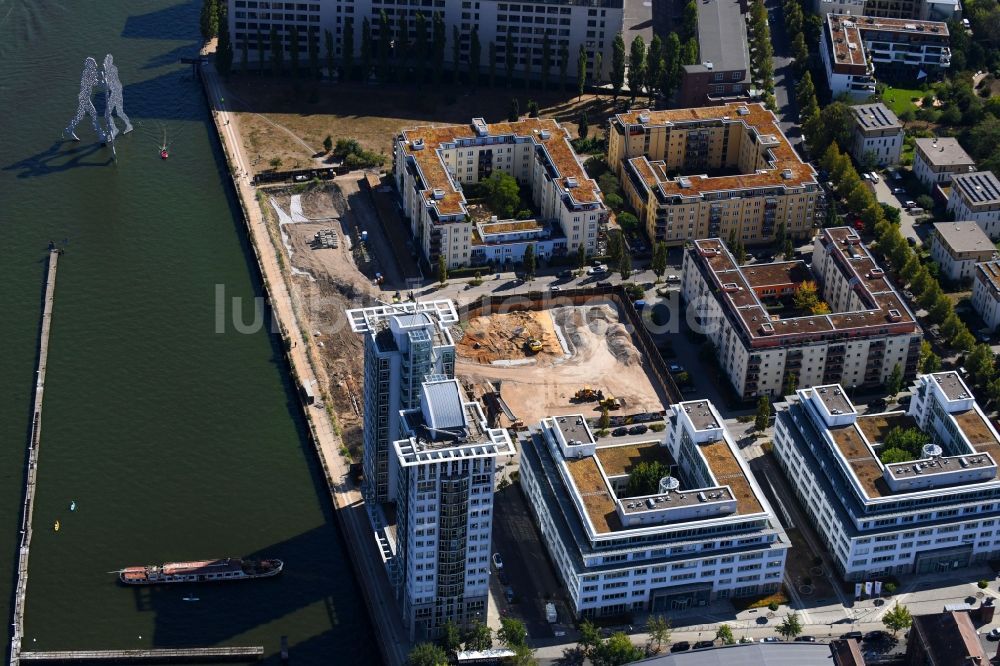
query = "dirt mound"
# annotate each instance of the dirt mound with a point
(621, 345)
(504, 337)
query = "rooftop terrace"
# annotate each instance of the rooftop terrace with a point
(848, 40)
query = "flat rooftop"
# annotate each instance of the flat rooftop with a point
(785, 169)
(722, 38)
(618, 460)
(952, 385)
(979, 188)
(942, 151)
(736, 288)
(878, 116)
(848, 40)
(834, 399)
(574, 429)
(368, 320)
(964, 237)
(989, 273)
(425, 146)
(700, 413)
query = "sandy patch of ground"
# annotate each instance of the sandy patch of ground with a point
(503, 337)
(602, 356)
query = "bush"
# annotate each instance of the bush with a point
(889, 588)
(983, 584)
(657, 427)
(773, 606)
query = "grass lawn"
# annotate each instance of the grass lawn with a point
(899, 99)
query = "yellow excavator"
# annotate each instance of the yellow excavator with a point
(535, 345)
(586, 394)
(610, 403)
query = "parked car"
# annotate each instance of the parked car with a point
(498, 561)
(877, 636)
(673, 278)
(568, 273)
(619, 432)
(994, 634)
(597, 270)
(875, 177)
(909, 204)
(675, 368)
(898, 190)
(680, 646)
(805, 639)
(770, 639)
(508, 593)
(638, 429)
(704, 644)
(856, 635)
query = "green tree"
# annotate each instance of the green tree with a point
(615, 249)
(625, 265)
(805, 95)
(790, 627)
(659, 630)
(384, 47)
(367, 49)
(618, 65)
(514, 113)
(894, 384)
(897, 619)
(546, 60)
(529, 261)
(581, 71)
(312, 48)
(503, 195)
(583, 127)
(475, 57)
(980, 363)
(659, 263)
(598, 74)
(293, 50)
(671, 76)
(581, 256)
(328, 143)
(442, 269)
(893, 456)
(654, 66)
(421, 48)
(930, 295)
(224, 49)
(401, 46)
(788, 249)
(523, 656)
(763, 416)
(689, 20)
(644, 479)
(636, 67)
(564, 66)
(512, 632)
(806, 296)
(801, 53)
(245, 55)
(589, 637)
(209, 19)
(451, 638)
(260, 51)
(791, 384)
(939, 312)
(439, 39)
(348, 46)
(427, 654)
(725, 634)
(532, 108)
(328, 53)
(834, 123)
(508, 61)
(964, 341)
(929, 361)
(493, 64)
(456, 54)
(615, 651)
(604, 422)
(277, 53)
(480, 637)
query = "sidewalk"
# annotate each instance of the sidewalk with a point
(304, 360)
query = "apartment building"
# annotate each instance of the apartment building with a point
(713, 171)
(447, 460)
(405, 344)
(432, 164)
(852, 46)
(976, 196)
(937, 159)
(765, 345)
(958, 246)
(568, 23)
(945, 639)
(937, 512)
(724, 69)
(986, 293)
(706, 532)
(877, 135)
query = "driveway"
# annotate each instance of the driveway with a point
(883, 192)
(784, 74)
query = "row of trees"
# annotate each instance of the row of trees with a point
(984, 372)
(762, 52)
(512, 635)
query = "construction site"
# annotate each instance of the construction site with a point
(585, 359)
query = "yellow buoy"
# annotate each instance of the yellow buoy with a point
(56, 526)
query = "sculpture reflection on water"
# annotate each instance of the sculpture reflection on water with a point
(114, 101)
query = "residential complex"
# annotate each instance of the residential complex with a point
(714, 171)
(404, 345)
(432, 164)
(765, 345)
(958, 246)
(447, 460)
(943, 639)
(877, 135)
(986, 293)
(935, 512)
(924, 10)
(976, 196)
(706, 532)
(724, 69)
(851, 47)
(937, 159)
(568, 23)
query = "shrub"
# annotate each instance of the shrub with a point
(773, 606)
(983, 584)
(657, 427)
(889, 588)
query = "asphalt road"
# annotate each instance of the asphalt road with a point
(784, 74)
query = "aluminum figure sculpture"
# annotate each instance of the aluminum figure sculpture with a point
(88, 80)
(114, 102)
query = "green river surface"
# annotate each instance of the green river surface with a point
(175, 441)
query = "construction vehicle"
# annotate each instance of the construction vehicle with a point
(534, 345)
(610, 403)
(586, 394)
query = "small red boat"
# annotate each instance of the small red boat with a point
(164, 154)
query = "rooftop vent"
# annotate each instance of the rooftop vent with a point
(708, 65)
(571, 182)
(931, 451)
(895, 315)
(643, 117)
(417, 144)
(684, 182)
(910, 26)
(438, 193)
(786, 174)
(480, 126)
(743, 111)
(766, 329)
(545, 134)
(729, 287)
(669, 483)
(876, 272)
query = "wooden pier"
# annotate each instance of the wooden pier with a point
(155, 656)
(17, 626)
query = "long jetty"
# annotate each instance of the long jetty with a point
(154, 656)
(17, 626)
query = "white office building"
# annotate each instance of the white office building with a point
(705, 532)
(877, 134)
(446, 460)
(937, 159)
(976, 196)
(935, 512)
(405, 344)
(568, 23)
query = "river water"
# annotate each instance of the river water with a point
(174, 440)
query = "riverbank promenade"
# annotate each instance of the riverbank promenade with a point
(307, 368)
